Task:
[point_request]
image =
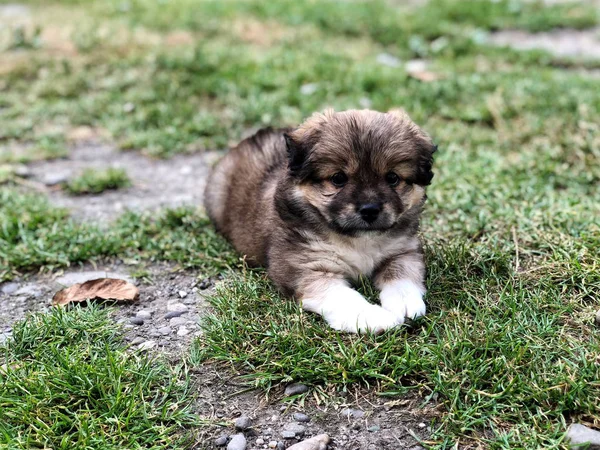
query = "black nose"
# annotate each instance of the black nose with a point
(369, 212)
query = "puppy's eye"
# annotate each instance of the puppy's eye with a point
(339, 179)
(392, 179)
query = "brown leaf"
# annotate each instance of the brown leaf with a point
(100, 289)
(425, 75)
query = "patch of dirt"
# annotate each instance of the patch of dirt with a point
(173, 302)
(584, 44)
(155, 183)
(354, 421)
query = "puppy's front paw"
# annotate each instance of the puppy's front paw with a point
(362, 318)
(403, 298)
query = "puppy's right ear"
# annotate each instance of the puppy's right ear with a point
(297, 154)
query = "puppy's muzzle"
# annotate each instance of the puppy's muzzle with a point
(369, 211)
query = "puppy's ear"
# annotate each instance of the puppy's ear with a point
(297, 154)
(426, 150)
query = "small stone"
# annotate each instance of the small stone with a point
(183, 331)
(165, 331)
(176, 306)
(598, 318)
(173, 314)
(137, 320)
(138, 340)
(579, 435)
(221, 440)
(177, 321)
(242, 423)
(300, 417)
(54, 178)
(272, 444)
(388, 60)
(286, 434)
(147, 345)
(182, 294)
(204, 284)
(260, 441)
(373, 428)
(295, 428)
(295, 389)
(9, 288)
(318, 442)
(422, 425)
(128, 107)
(352, 413)
(309, 88)
(143, 314)
(237, 442)
(280, 446)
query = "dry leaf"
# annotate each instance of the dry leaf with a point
(424, 75)
(102, 289)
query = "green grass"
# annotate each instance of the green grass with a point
(93, 181)
(511, 230)
(33, 234)
(67, 381)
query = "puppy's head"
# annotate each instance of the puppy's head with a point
(360, 170)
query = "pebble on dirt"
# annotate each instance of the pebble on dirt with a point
(237, 442)
(165, 331)
(352, 413)
(242, 423)
(301, 417)
(173, 314)
(295, 428)
(579, 435)
(318, 442)
(182, 294)
(147, 345)
(295, 389)
(143, 314)
(137, 320)
(221, 440)
(176, 306)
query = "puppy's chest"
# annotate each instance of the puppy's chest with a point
(360, 255)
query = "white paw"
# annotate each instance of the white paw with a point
(362, 318)
(346, 310)
(403, 298)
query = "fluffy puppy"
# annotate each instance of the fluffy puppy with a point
(337, 198)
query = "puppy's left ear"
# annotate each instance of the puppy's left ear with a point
(425, 149)
(297, 154)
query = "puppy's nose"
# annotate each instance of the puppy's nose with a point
(369, 212)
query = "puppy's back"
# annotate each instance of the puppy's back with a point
(239, 192)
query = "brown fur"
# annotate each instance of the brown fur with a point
(273, 197)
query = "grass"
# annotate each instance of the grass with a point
(67, 381)
(97, 181)
(34, 234)
(509, 349)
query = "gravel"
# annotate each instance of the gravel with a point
(144, 315)
(237, 442)
(221, 440)
(295, 389)
(579, 435)
(136, 321)
(301, 417)
(174, 314)
(242, 423)
(165, 331)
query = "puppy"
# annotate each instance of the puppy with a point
(337, 198)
